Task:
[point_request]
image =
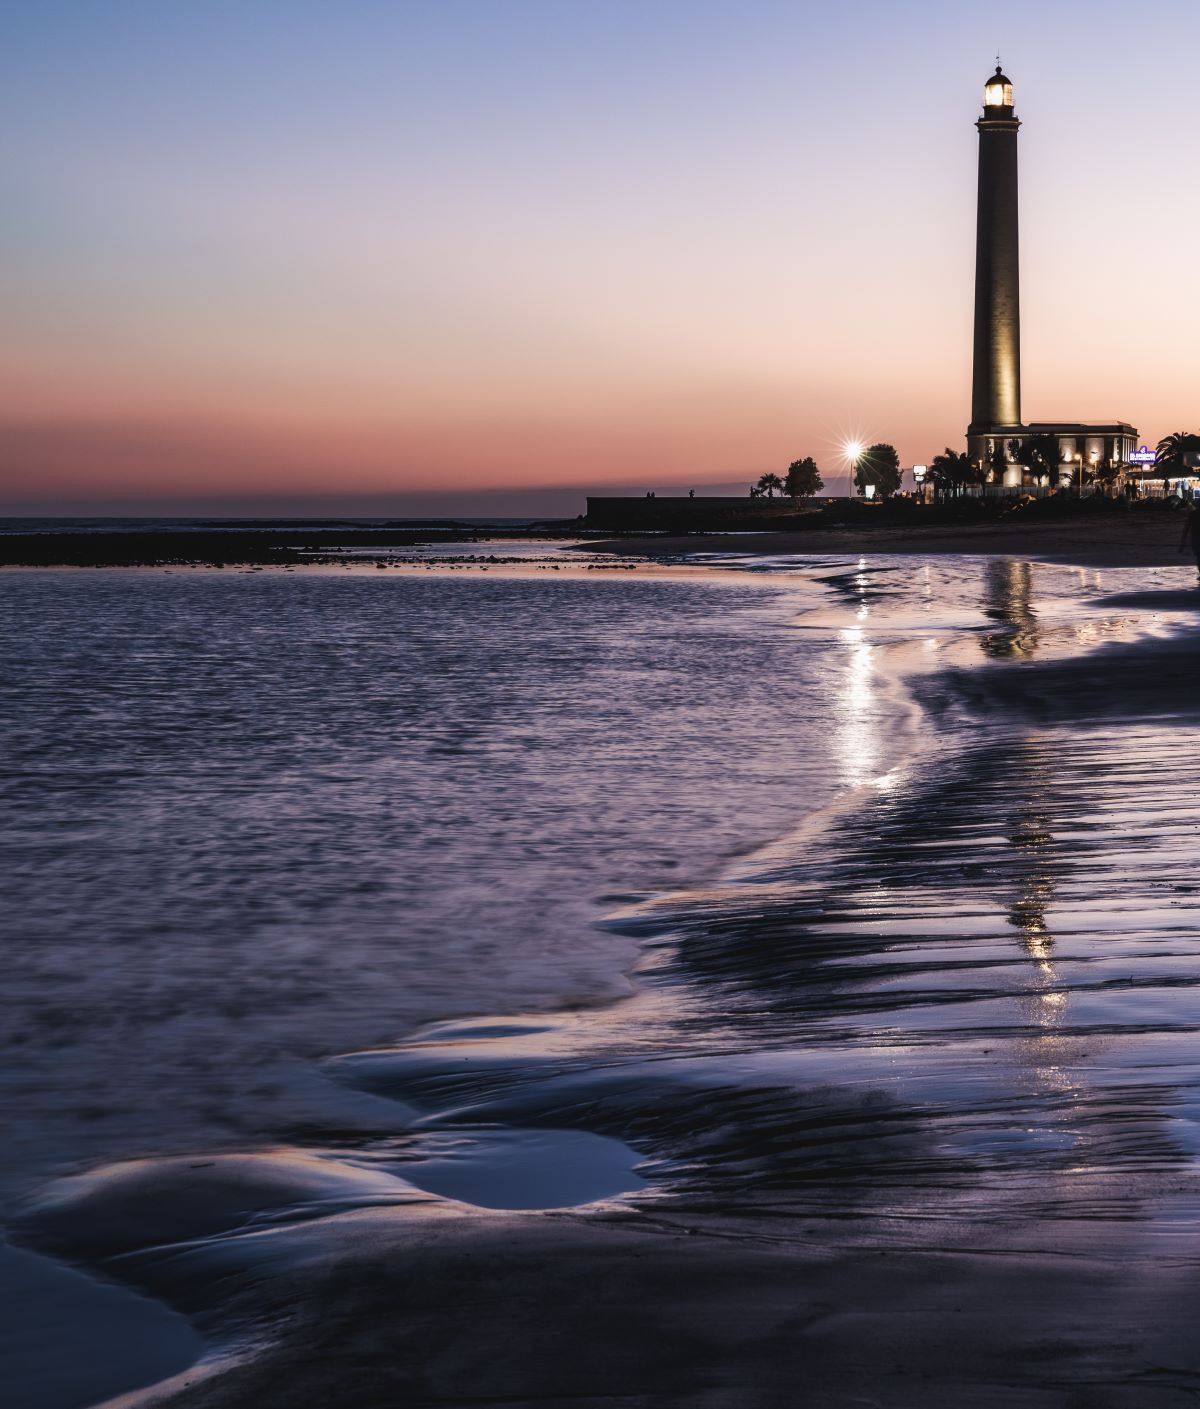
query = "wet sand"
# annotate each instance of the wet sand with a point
(1147, 539)
(913, 1095)
(373, 1308)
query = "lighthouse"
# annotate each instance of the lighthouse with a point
(996, 380)
(1089, 453)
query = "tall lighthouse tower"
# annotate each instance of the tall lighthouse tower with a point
(996, 382)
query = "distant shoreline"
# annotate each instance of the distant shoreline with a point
(233, 547)
(1136, 540)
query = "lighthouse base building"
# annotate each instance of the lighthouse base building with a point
(1103, 450)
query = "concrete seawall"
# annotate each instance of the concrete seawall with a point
(679, 513)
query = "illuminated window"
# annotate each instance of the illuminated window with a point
(998, 93)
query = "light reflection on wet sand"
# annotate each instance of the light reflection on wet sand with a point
(964, 945)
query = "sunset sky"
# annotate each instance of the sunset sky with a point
(280, 256)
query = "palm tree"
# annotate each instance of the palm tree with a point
(1039, 454)
(1170, 450)
(768, 484)
(952, 469)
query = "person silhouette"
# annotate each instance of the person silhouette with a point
(1191, 532)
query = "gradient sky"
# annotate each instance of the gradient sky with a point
(288, 256)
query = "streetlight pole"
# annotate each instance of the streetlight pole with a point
(853, 451)
(1079, 457)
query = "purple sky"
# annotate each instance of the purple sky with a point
(369, 257)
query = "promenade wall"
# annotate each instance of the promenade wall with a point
(681, 514)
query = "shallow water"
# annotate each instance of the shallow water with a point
(906, 848)
(250, 821)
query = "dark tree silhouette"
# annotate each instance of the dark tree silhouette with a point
(952, 469)
(803, 478)
(878, 465)
(1170, 450)
(768, 484)
(1108, 472)
(1039, 454)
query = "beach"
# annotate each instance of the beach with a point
(880, 1088)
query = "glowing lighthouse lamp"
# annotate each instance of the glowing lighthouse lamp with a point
(997, 91)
